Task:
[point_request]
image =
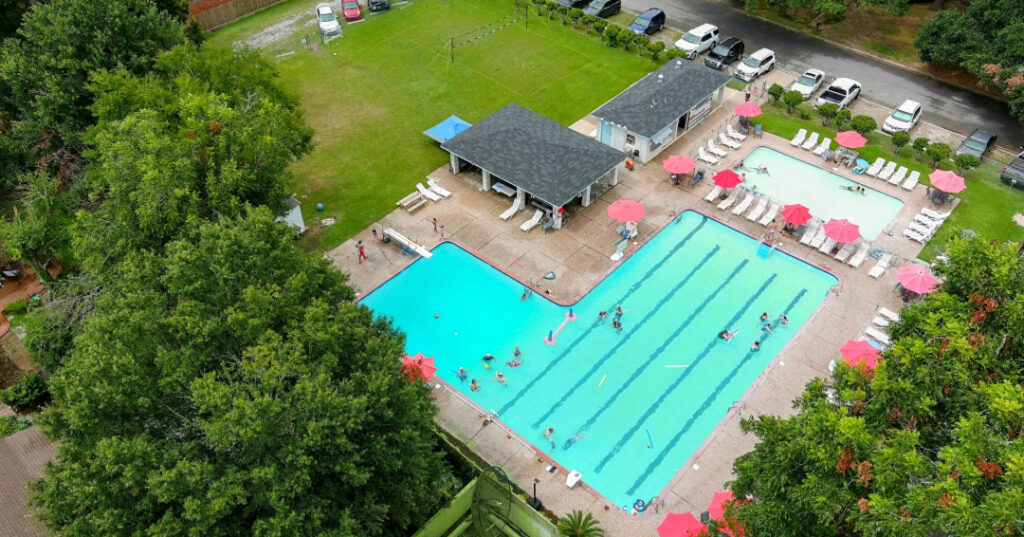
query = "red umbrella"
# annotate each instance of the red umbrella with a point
(747, 109)
(916, 279)
(419, 366)
(679, 164)
(626, 211)
(727, 179)
(842, 230)
(858, 350)
(947, 181)
(680, 525)
(717, 507)
(796, 214)
(851, 139)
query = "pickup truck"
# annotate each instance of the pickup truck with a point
(841, 93)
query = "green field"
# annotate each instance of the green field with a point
(370, 94)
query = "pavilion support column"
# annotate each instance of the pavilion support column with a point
(487, 180)
(721, 95)
(520, 197)
(615, 176)
(454, 163)
(557, 217)
(585, 199)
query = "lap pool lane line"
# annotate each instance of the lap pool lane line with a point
(632, 289)
(597, 364)
(686, 373)
(703, 407)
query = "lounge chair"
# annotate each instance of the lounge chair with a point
(922, 229)
(844, 252)
(827, 246)
(876, 167)
(438, 188)
(730, 200)
(733, 134)
(878, 336)
(810, 232)
(511, 211)
(819, 238)
(858, 258)
(886, 173)
(899, 176)
(801, 135)
(880, 321)
(701, 154)
(713, 195)
(882, 264)
(927, 222)
(811, 141)
(715, 150)
(745, 204)
(533, 221)
(729, 142)
(825, 145)
(915, 236)
(757, 130)
(935, 215)
(427, 193)
(911, 181)
(889, 314)
(773, 211)
(758, 210)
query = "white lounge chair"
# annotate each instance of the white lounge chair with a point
(911, 181)
(825, 144)
(739, 137)
(886, 173)
(880, 321)
(713, 195)
(730, 200)
(878, 336)
(438, 188)
(819, 238)
(899, 176)
(927, 222)
(745, 204)
(511, 211)
(935, 215)
(801, 135)
(858, 258)
(715, 150)
(889, 314)
(882, 264)
(701, 154)
(533, 221)
(773, 211)
(923, 230)
(827, 246)
(876, 167)
(758, 210)
(810, 232)
(427, 193)
(844, 252)
(811, 141)
(728, 141)
(915, 236)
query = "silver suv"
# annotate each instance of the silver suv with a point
(698, 40)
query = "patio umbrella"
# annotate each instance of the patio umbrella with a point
(419, 366)
(842, 230)
(747, 109)
(626, 210)
(679, 164)
(916, 279)
(851, 139)
(860, 351)
(795, 214)
(716, 510)
(680, 525)
(727, 179)
(947, 181)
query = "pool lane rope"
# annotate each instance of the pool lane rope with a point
(552, 334)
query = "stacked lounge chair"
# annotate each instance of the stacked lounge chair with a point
(858, 258)
(812, 229)
(878, 336)
(426, 193)
(438, 188)
(882, 264)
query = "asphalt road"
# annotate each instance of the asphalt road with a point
(944, 105)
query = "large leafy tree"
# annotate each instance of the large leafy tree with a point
(229, 386)
(928, 444)
(37, 234)
(824, 10)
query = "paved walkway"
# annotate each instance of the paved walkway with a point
(580, 252)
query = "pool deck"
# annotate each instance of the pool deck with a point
(579, 254)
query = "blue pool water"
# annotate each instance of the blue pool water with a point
(639, 419)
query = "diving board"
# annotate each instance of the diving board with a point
(401, 239)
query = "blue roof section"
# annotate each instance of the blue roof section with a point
(447, 129)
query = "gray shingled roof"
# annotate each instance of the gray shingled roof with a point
(22, 458)
(652, 103)
(525, 149)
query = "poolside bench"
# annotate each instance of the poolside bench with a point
(503, 189)
(412, 202)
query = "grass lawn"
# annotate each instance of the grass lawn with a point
(370, 94)
(987, 206)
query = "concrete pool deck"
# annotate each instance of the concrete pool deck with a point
(579, 254)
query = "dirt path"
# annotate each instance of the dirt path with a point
(278, 31)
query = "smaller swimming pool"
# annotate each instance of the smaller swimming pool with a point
(791, 180)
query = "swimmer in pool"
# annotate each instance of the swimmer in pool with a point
(783, 320)
(500, 377)
(755, 346)
(601, 316)
(764, 317)
(474, 386)
(727, 335)
(514, 363)
(569, 443)
(487, 359)
(549, 433)
(463, 374)
(766, 328)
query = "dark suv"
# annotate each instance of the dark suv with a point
(725, 53)
(574, 4)
(379, 5)
(1013, 173)
(603, 8)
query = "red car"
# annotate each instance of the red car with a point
(350, 10)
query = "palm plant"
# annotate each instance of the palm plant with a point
(580, 524)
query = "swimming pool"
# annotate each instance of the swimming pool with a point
(791, 180)
(643, 399)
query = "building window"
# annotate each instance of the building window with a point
(630, 139)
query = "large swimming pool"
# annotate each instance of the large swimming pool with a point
(791, 180)
(640, 401)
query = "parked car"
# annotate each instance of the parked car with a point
(603, 8)
(756, 65)
(351, 10)
(903, 117)
(808, 83)
(1013, 173)
(379, 5)
(841, 93)
(574, 4)
(698, 40)
(649, 22)
(978, 143)
(725, 53)
(327, 20)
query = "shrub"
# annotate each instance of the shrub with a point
(966, 162)
(920, 144)
(776, 92)
(551, 7)
(16, 306)
(900, 139)
(588, 22)
(641, 42)
(11, 425)
(863, 124)
(563, 13)
(599, 25)
(792, 100)
(804, 115)
(575, 15)
(938, 152)
(541, 5)
(27, 394)
(611, 34)
(827, 112)
(674, 53)
(579, 524)
(625, 38)
(655, 49)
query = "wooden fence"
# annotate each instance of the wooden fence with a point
(212, 14)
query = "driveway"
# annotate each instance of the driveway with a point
(945, 105)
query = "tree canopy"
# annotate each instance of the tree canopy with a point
(827, 9)
(929, 443)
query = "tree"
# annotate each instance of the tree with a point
(641, 42)
(611, 34)
(228, 385)
(920, 144)
(27, 394)
(575, 15)
(792, 99)
(579, 524)
(776, 92)
(626, 38)
(863, 124)
(900, 139)
(825, 10)
(599, 26)
(827, 112)
(38, 233)
(656, 49)
(588, 22)
(842, 118)
(966, 162)
(674, 53)
(938, 152)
